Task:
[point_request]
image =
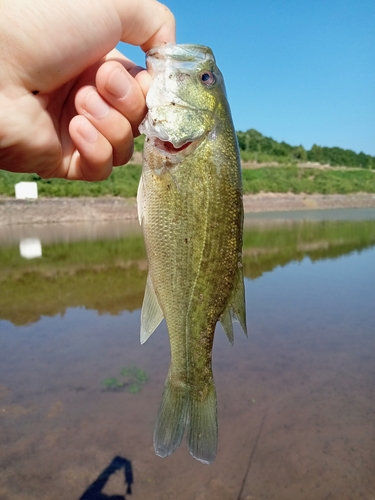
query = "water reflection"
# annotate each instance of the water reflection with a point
(30, 248)
(107, 275)
(268, 244)
(107, 271)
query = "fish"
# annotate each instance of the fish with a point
(191, 211)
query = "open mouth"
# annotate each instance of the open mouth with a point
(169, 148)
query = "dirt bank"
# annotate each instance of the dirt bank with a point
(100, 209)
(275, 202)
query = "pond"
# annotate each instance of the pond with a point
(79, 394)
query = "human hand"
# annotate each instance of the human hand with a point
(70, 105)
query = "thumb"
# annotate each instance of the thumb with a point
(147, 23)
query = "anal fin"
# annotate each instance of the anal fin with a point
(235, 310)
(151, 315)
(226, 323)
(238, 304)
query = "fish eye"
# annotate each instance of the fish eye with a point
(207, 78)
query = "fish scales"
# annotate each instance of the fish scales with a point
(190, 207)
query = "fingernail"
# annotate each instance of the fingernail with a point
(95, 105)
(118, 83)
(87, 130)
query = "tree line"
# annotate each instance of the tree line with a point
(254, 146)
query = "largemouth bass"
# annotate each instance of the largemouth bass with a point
(190, 208)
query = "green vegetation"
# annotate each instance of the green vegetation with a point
(112, 384)
(132, 379)
(256, 147)
(307, 180)
(338, 156)
(253, 147)
(133, 373)
(139, 142)
(122, 182)
(288, 178)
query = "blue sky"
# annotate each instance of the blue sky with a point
(298, 71)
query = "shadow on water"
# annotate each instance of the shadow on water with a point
(109, 275)
(95, 490)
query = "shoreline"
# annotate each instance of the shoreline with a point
(49, 210)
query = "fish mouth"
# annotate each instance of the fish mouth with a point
(181, 52)
(169, 148)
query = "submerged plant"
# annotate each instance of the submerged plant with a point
(112, 383)
(133, 378)
(138, 374)
(134, 388)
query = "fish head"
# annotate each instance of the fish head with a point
(186, 90)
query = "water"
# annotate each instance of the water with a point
(295, 400)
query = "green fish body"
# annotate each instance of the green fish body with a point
(190, 208)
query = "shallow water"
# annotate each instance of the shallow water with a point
(295, 400)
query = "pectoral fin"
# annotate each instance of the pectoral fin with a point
(236, 309)
(151, 315)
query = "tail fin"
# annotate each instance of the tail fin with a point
(171, 420)
(180, 410)
(202, 427)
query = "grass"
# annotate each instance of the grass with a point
(307, 180)
(124, 181)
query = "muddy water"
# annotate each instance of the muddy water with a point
(296, 400)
